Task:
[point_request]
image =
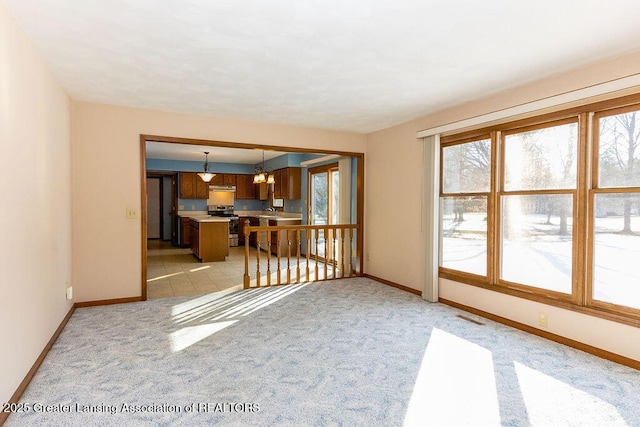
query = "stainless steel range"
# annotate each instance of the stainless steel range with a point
(234, 221)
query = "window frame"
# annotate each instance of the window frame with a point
(476, 278)
(594, 190)
(564, 191)
(581, 298)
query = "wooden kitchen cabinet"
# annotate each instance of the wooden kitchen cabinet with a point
(277, 187)
(185, 232)
(209, 240)
(187, 185)
(263, 191)
(245, 188)
(229, 179)
(194, 234)
(218, 179)
(251, 187)
(192, 186)
(255, 221)
(284, 242)
(202, 188)
(288, 184)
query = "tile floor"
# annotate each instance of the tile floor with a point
(173, 271)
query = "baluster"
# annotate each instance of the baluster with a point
(342, 253)
(350, 249)
(247, 278)
(298, 237)
(307, 236)
(279, 255)
(326, 253)
(268, 258)
(316, 254)
(258, 237)
(288, 257)
(334, 244)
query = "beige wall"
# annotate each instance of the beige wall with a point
(106, 180)
(36, 213)
(394, 172)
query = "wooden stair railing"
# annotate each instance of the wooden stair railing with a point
(336, 252)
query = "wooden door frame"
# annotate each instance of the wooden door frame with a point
(212, 143)
(315, 170)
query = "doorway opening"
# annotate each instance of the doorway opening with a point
(358, 184)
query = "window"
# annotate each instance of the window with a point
(548, 208)
(536, 206)
(466, 178)
(616, 209)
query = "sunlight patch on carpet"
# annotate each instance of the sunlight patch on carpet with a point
(188, 336)
(455, 385)
(553, 402)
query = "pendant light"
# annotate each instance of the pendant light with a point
(206, 175)
(262, 175)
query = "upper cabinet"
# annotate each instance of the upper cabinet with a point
(192, 186)
(245, 188)
(288, 184)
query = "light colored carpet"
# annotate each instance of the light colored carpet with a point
(348, 352)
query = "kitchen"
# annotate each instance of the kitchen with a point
(209, 214)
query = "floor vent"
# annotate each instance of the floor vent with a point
(469, 319)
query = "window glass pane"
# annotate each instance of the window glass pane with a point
(616, 275)
(466, 167)
(463, 231)
(541, 159)
(536, 241)
(619, 150)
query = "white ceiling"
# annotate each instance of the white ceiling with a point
(350, 65)
(164, 150)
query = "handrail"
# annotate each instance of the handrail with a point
(335, 254)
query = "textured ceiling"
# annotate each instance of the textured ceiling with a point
(347, 65)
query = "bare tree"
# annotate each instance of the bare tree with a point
(619, 149)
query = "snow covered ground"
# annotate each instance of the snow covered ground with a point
(536, 255)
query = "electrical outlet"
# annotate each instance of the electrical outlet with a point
(543, 319)
(193, 207)
(368, 257)
(69, 292)
(180, 207)
(132, 213)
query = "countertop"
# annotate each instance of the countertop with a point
(277, 216)
(202, 217)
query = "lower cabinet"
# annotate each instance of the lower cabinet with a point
(279, 238)
(185, 232)
(255, 221)
(209, 240)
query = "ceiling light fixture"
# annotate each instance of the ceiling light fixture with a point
(206, 175)
(263, 175)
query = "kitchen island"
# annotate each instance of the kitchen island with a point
(209, 237)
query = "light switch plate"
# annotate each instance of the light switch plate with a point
(132, 213)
